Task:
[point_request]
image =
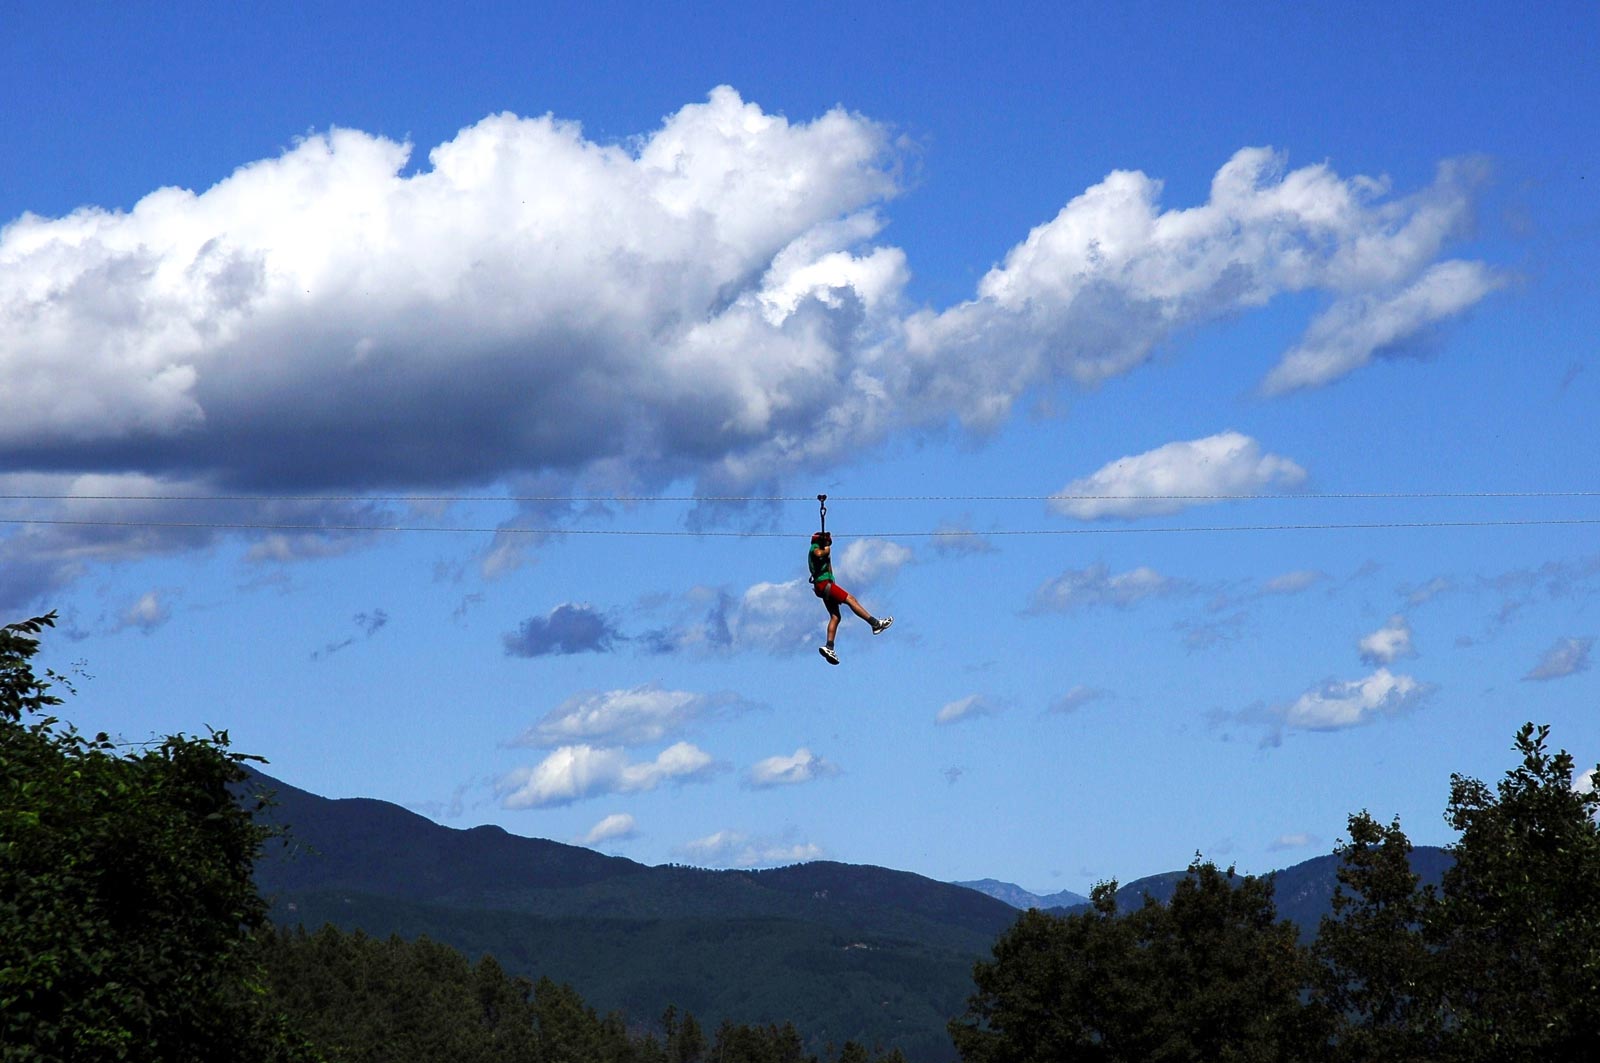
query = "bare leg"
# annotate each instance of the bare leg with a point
(833, 626)
(855, 607)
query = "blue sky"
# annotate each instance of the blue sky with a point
(447, 270)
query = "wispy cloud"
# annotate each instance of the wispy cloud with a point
(957, 538)
(369, 623)
(1206, 634)
(968, 708)
(1422, 593)
(1077, 698)
(619, 826)
(632, 717)
(800, 767)
(1293, 582)
(1285, 842)
(1349, 334)
(1568, 656)
(1096, 586)
(732, 848)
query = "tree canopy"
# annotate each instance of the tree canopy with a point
(1211, 975)
(127, 907)
(1500, 962)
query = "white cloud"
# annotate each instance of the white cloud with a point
(968, 708)
(867, 561)
(571, 773)
(195, 312)
(1228, 463)
(633, 717)
(731, 848)
(619, 826)
(1352, 331)
(1336, 704)
(1388, 643)
(778, 617)
(1584, 784)
(709, 299)
(1568, 656)
(149, 612)
(1084, 588)
(803, 766)
(1094, 292)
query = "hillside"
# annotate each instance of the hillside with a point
(844, 951)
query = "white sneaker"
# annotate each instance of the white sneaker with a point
(828, 655)
(883, 625)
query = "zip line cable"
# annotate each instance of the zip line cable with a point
(631, 499)
(683, 534)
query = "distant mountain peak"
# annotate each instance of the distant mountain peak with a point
(1018, 897)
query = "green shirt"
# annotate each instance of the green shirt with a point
(821, 565)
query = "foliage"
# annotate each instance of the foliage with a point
(362, 999)
(872, 989)
(1499, 964)
(1517, 924)
(1211, 975)
(1376, 973)
(126, 900)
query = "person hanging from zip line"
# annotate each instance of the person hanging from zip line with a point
(822, 585)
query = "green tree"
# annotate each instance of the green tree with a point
(127, 904)
(569, 1030)
(1517, 925)
(1228, 974)
(1212, 975)
(685, 1043)
(1377, 975)
(853, 1053)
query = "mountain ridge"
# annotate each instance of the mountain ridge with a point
(845, 951)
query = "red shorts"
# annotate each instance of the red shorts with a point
(831, 594)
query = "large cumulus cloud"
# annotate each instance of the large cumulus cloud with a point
(709, 301)
(530, 300)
